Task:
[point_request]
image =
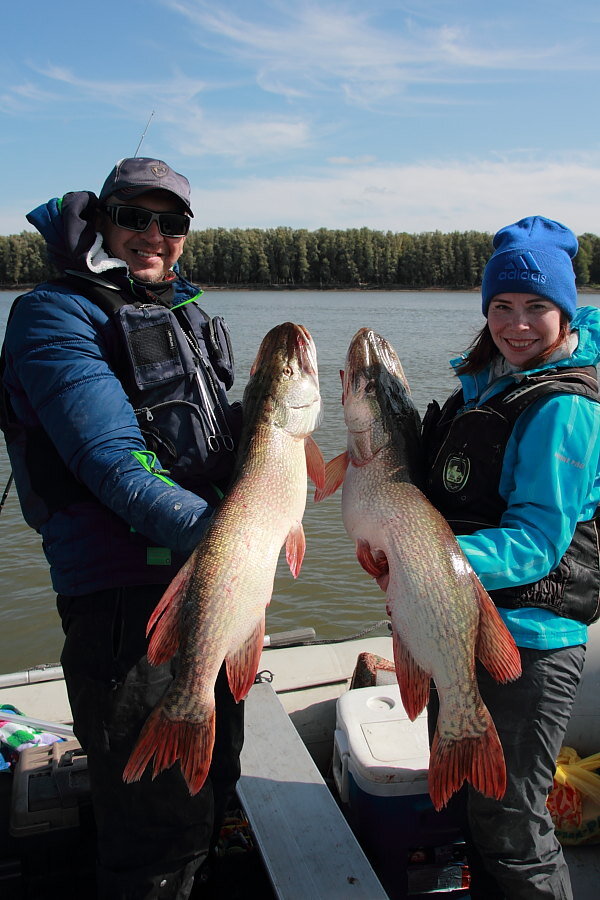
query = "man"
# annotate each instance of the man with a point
(122, 441)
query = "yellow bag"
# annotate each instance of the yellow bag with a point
(574, 801)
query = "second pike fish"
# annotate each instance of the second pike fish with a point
(441, 616)
(214, 609)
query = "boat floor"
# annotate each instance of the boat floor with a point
(40, 869)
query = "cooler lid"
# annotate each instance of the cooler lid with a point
(383, 744)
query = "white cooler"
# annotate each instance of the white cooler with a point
(380, 766)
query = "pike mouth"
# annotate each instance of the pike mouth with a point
(307, 405)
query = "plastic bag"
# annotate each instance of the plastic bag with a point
(574, 801)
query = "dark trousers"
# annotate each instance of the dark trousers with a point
(152, 835)
(513, 852)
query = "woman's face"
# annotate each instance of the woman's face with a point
(523, 326)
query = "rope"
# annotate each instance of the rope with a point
(353, 637)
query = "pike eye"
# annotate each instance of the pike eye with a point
(369, 387)
(287, 371)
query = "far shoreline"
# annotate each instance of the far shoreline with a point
(363, 288)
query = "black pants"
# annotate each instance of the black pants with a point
(511, 846)
(152, 835)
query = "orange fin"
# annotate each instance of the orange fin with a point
(495, 645)
(413, 681)
(164, 642)
(168, 740)
(335, 470)
(374, 565)
(295, 547)
(242, 664)
(315, 463)
(477, 760)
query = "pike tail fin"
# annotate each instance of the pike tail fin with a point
(168, 740)
(477, 760)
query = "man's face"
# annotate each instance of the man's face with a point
(148, 254)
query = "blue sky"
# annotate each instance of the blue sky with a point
(340, 114)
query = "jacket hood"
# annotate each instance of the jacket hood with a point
(586, 323)
(68, 225)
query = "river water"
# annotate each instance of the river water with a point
(332, 594)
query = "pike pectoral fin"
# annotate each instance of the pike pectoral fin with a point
(242, 664)
(477, 760)
(295, 547)
(375, 565)
(495, 645)
(335, 470)
(168, 740)
(413, 681)
(164, 642)
(315, 463)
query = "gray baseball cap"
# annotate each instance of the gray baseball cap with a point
(136, 175)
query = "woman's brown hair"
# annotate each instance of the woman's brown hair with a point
(482, 350)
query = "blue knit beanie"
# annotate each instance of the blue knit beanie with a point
(533, 256)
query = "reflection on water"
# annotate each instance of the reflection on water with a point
(332, 593)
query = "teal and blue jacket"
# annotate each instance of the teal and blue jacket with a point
(549, 482)
(107, 423)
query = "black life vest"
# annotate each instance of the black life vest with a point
(175, 365)
(465, 453)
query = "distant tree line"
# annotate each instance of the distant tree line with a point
(325, 258)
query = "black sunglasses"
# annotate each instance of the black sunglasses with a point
(135, 218)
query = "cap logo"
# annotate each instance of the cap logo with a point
(523, 268)
(160, 170)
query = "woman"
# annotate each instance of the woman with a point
(514, 465)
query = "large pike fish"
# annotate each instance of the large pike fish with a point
(441, 616)
(214, 609)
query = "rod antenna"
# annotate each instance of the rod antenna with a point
(143, 134)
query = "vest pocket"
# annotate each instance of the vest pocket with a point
(157, 353)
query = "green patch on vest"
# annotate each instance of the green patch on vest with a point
(158, 556)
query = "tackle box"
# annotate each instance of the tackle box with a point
(380, 768)
(50, 784)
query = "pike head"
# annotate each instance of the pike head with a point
(378, 409)
(283, 389)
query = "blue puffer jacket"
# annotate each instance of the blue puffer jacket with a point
(58, 375)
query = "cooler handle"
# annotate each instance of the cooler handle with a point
(341, 754)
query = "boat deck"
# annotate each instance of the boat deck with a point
(308, 680)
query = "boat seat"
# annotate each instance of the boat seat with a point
(306, 844)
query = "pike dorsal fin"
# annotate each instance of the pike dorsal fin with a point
(242, 664)
(495, 645)
(164, 642)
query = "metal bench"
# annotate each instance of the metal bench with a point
(306, 844)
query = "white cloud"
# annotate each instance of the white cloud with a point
(351, 160)
(303, 48)
(479, 195)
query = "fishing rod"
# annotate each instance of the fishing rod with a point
(10, 479)
(6, 490)
(143, 134)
